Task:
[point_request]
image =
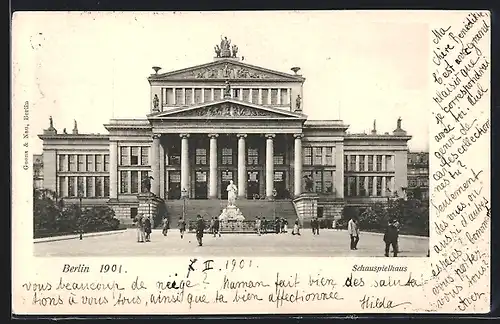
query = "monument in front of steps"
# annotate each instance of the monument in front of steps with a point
(231, 218)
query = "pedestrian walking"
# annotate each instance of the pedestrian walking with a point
(276, 225)
(353, 230)
(147, 228)
(139, 223)
(391, 237)
(313, 225)
(165, 226)
(212, 226)
(296, 229)
(182, 226)
(285, 225)
(217, 226)
(257, 225)
(264, 225)
(200, 227)
(317, 226)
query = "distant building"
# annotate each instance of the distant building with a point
(418, 175)
(37, 171)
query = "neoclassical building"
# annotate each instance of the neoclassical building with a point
(220, 121)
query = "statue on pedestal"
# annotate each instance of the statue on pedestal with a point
(231, 193)
(227, 90)
(156, 102)
(217, 50)
(298, 102)
(225, 47)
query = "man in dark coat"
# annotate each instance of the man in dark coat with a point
(200, 227)
(317, 226)
(182, 226)
(391, 237)
(216, 226)
(313, 225)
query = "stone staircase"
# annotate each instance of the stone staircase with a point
(249, 208)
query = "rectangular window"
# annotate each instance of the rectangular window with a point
(197, 95)
(265, 96)
(346, 163)
(361, 163)
(175, 177)
(318, 181)
(189, 96)
(124, 152)
(134, 155)
(207, 95)
(178, 97)
(318, 156)
(90, 187)
(346, 185)
(106, 162)
(72, 162)
(98, 163)
(278, 175)
(144, 175)
(169, 96)
(329, 155)
(201, 156)
(307, 155)
(236, 93)
(63, 186)
(274, 96)
(71, 186)
(134, 179)
(90, 163)
(279, 159)
(328, 181)
(370, 163)
(174, 156)
(362, 189)
(352, 163)
(106, 186)
(255, 96)
(379, 186)
(246, 95)
(379, 162)
(352, 186)
(79, 187)
(98, 186)
(370, 186)
(227, 156)
(253, 156)
(123, 181)
(80, 162)
(62, 162)
(284, 97)
(217, 94)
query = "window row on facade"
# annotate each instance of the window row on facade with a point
(367, 186)
(83, 162)
(190, 96)
(134, 155)
(131, 182)
(360, 163)
(85, 187)
(323, 180)
(318, 156)
(418, 182)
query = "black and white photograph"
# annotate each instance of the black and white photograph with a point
(150, 139)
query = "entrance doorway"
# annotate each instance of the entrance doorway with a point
(253, 185)
(280, 184)
(200, 186)
(174, 185)
(226, 176)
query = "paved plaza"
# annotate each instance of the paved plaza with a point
(328, 243)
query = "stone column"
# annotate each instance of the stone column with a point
(174, 101)
(357, 163)
(374, 187)
(278, 100)
(384, 184)
(366, 163)
(357, 185)
(212, 189)
(113, 169)
(192, 96)
(366, 187)
(212, 94)
(297, 189)
(375, 162)
(185, 162)
(383, 164)
(203, 95)
(183, 96)
(242, 170)
(269, 166)
(155, 164)
(250, 95)
(260, 96)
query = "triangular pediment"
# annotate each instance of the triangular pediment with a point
(227, 109)
(226, 69)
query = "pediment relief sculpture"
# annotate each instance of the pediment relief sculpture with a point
(225, 71)
(226, 110)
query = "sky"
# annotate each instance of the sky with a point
(91, 67)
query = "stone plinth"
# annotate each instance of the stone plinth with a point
(150, 205)
(231, 213)
(306, 205)
(232, 221)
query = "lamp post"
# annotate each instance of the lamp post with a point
(184, 196)
(274, 202)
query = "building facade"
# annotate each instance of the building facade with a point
(418, 175)
(221, 121)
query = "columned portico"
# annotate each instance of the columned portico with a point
(242, 172)
(212, 192)
(155, 164)
(184, 162)
(269, 165)
(113, 169)
(297, 190)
